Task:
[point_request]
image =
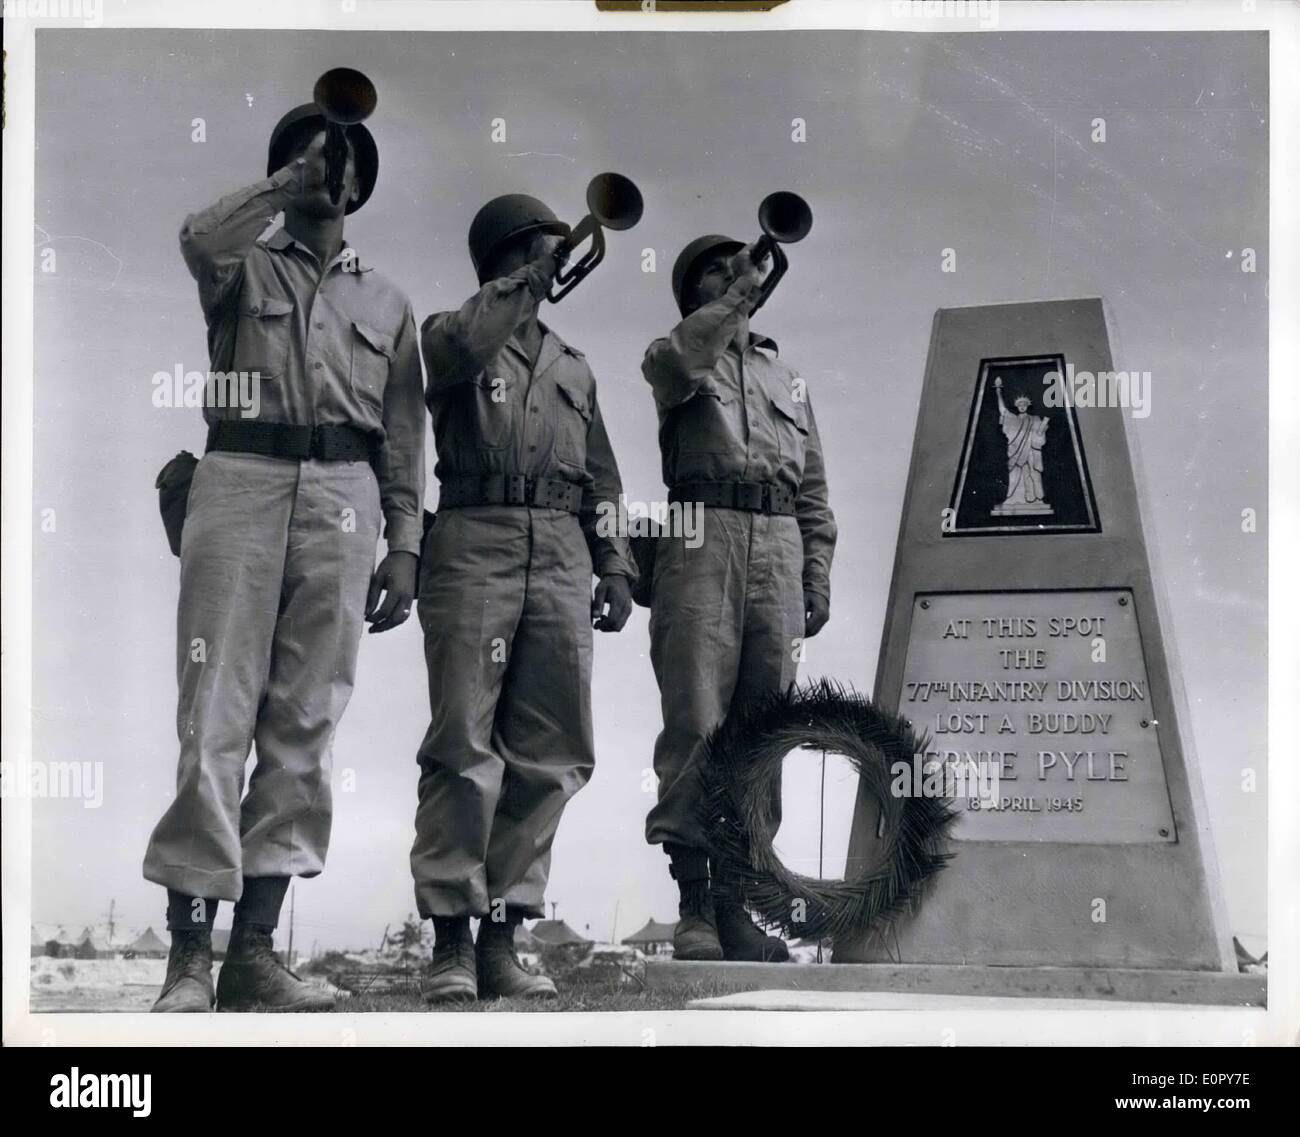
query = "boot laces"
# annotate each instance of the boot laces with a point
(259, 945)
(695, 898)
(456, 953)
(501, 945)
(186, 950)
(185, 960)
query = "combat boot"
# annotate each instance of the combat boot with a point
(252, 978)
(740, 939)
(452, 976)
(188, 986)
(500, 974)
(695, 937)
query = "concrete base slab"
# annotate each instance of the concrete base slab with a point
(895, 1001)
(1109, 984)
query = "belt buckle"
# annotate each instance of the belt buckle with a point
(746, 497)
(317, 444)
(516, 488)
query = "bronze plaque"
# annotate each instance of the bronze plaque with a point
(1039, 707)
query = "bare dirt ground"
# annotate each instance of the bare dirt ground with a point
(61, 985)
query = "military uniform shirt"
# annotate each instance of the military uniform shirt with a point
(495, 413)
(728, 416)
(337, 346)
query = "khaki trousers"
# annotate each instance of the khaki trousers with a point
(505, 604)
(276, 558)
(726, 624)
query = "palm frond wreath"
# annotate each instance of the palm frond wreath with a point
(740, 768)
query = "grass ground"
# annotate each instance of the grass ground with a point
(572, 997)
(62, 986)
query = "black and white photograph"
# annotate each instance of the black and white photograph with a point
(570, 523)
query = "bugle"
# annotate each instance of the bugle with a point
(613, 202)
(346, 97)
(784, 218)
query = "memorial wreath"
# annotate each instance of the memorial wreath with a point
(741, 772)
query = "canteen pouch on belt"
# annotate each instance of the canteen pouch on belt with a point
(644, 547)
(173, 486)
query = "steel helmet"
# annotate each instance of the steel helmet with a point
(692, 257)
(289, 130)
(503, 219)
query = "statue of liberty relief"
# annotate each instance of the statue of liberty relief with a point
(1025, 435)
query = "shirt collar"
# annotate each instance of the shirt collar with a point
(552, 345)
(559, 341)
(755, 340)
(282, 239)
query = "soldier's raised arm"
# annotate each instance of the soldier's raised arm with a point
(216, 241)
(677, 364)
(458, 345)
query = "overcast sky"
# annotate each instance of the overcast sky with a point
(915, 143)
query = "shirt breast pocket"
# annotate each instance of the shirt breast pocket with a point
(492, 410)
(703, 422)
(262, 341)
(573, 417)
(372, 353)
(791, 420)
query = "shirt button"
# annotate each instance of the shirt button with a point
(255, 309)
(317, 365)
(533, 446)
(534, 410)
(319, 325)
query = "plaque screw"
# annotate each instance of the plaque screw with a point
(925, 604)
(1164, 833)
(1123, 601)
(1145, 724)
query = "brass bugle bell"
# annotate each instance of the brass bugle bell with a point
(784, 218)
(613, 202)
(345, 97)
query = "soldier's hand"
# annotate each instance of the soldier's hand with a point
(310, 164)
(816, 611)
(549, 249)
(395, 579)
(614, 591)
(743, 266)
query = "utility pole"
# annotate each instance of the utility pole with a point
(554, 906)
(111, 925)
(613, 931)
